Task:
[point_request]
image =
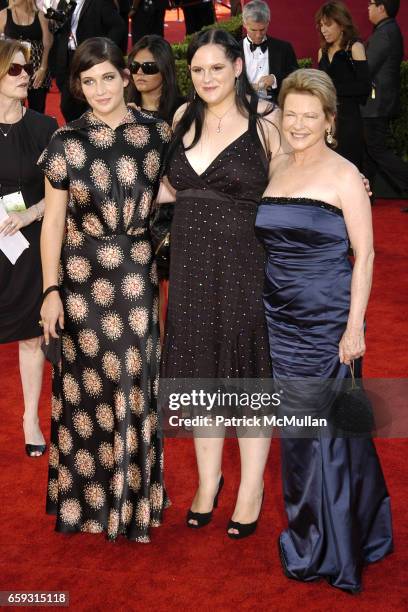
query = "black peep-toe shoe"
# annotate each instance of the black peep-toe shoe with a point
(244, 529)
(203, 518)
(35, 448)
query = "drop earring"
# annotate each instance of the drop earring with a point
(329, 136)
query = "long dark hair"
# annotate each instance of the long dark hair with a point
(338, 12)
(91, 52)
(195, 111)
(170, 96)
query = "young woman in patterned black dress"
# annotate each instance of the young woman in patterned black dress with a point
(106, 462)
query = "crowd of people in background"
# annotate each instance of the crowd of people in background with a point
(252, 144)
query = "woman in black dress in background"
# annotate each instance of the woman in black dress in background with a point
(106, 459)
(22, 21)
(343, 57)
(23, 136)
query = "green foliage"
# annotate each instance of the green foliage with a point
(305, 62)
(183, 76)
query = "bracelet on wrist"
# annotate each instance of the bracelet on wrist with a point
(39, 214)
(49, 290)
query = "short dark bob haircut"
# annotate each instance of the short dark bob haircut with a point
(91, 52)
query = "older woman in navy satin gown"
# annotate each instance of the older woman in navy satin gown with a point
(335, 495)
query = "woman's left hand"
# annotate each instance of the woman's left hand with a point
(15, 221)
(352, 345)
(366, 184)
(39, 76)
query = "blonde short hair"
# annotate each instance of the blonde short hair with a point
(8, 49)
(316, 83)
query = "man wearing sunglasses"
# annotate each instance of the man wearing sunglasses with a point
(384, 55)
(89, 18)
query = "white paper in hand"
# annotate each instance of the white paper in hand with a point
(12, 246)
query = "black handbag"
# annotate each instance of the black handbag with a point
(352, 411)
(160, 224)
(53, 350)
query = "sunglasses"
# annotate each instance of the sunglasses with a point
(17, 69)
(147, 67)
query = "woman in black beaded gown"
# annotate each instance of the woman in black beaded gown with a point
(23, 136)
(106, 458)
(215, 323)
(343, 58)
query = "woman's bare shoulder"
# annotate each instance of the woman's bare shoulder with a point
(179, 113)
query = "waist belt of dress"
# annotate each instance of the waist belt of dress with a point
(212, 194)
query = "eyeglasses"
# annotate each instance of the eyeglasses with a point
(147, 67)
(16, 69)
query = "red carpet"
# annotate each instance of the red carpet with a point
(182, 568)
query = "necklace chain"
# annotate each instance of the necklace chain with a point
(5, 134)
(220, 118)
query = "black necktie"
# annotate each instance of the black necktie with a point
(263, 45)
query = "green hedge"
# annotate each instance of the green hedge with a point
(234, 26)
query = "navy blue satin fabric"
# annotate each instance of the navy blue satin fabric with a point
(335, 495)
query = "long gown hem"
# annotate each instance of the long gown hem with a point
(140, 536)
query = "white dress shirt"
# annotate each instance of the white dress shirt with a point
(72, 42)
(257, 64)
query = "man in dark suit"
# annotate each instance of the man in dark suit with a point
(147, 18)
(89, 18)
(267, 60)
(384, 54)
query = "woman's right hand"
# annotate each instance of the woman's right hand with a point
(51, 312)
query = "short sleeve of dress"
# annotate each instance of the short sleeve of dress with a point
(53, 162)
(165, 134)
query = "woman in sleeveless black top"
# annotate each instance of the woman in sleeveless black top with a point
(215, 325)
(343, 58)
(25, 23)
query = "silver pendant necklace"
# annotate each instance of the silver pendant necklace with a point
(5, 134)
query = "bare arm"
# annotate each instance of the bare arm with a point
(47, 40)
(357, 215)
(51, 241)
(3, 18)
(166, 192)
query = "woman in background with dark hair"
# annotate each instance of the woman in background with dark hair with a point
(154, 85)
(342, 56)
(219, 163)
(106, 463)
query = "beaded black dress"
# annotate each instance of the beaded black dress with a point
(215, 323)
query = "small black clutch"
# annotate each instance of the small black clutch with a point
(352, 411)
(53, 350)
(160, 225)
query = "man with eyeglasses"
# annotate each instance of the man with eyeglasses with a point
(87, 19)
(384, 55)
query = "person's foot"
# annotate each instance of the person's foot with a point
(203, 501)
(33, 437)
(247, 509)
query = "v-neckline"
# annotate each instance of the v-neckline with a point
(215, 158)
